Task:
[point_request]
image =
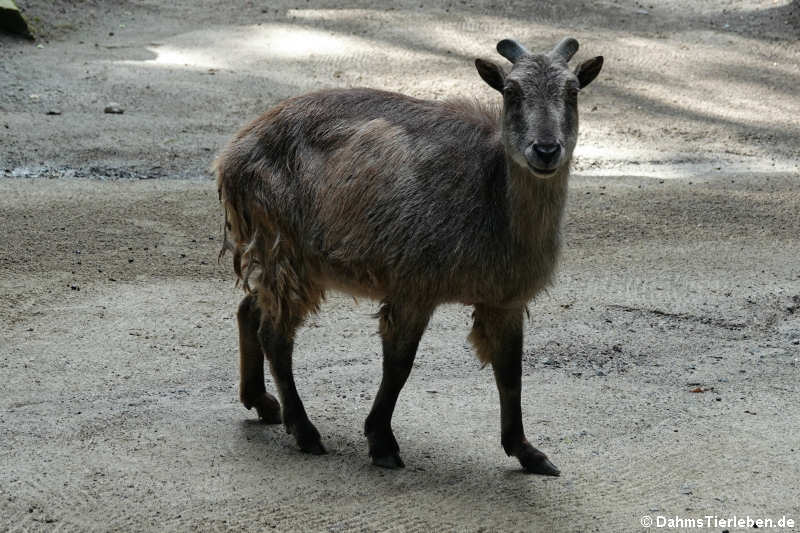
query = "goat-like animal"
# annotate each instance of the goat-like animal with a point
(411, 202)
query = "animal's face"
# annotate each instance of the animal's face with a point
(540, 103)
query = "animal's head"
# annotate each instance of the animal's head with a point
(540, 102)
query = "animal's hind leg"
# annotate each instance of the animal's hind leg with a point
(497, 335)
(252, 392)
(401, 329)
(277, 342)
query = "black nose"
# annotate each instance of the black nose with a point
(547, 152)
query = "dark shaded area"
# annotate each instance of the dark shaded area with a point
(725, 207)
(774, 23)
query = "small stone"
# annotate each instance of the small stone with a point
(113, 109)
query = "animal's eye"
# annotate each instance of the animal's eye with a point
(572, 93)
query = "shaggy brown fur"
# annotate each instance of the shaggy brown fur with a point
(408, 201)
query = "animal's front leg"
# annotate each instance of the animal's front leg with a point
(497, 334)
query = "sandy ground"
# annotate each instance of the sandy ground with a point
(119, 409)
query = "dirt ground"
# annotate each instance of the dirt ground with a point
(118, 354)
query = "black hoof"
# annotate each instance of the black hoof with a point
(307, 438)
(314, 448)
(389, 461)
(535, 462)
(383, 449)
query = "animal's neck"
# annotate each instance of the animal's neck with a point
(535, 205)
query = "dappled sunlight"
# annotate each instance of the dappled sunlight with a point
(167, 55)
(606, 159)
(660, 369)
(699, 78)
(471, 36)
(737, 103)
(685, 93)
(245, 47)
(703, 100)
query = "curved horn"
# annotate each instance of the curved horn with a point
(511, 49)
(565, 49)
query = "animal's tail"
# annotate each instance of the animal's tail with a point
(240, 236)
(266, 259)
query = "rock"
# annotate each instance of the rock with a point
(11, 20)
(114, 109)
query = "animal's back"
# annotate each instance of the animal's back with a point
(375, 189)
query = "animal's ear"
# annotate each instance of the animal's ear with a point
(588, 70)
(491, 73)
